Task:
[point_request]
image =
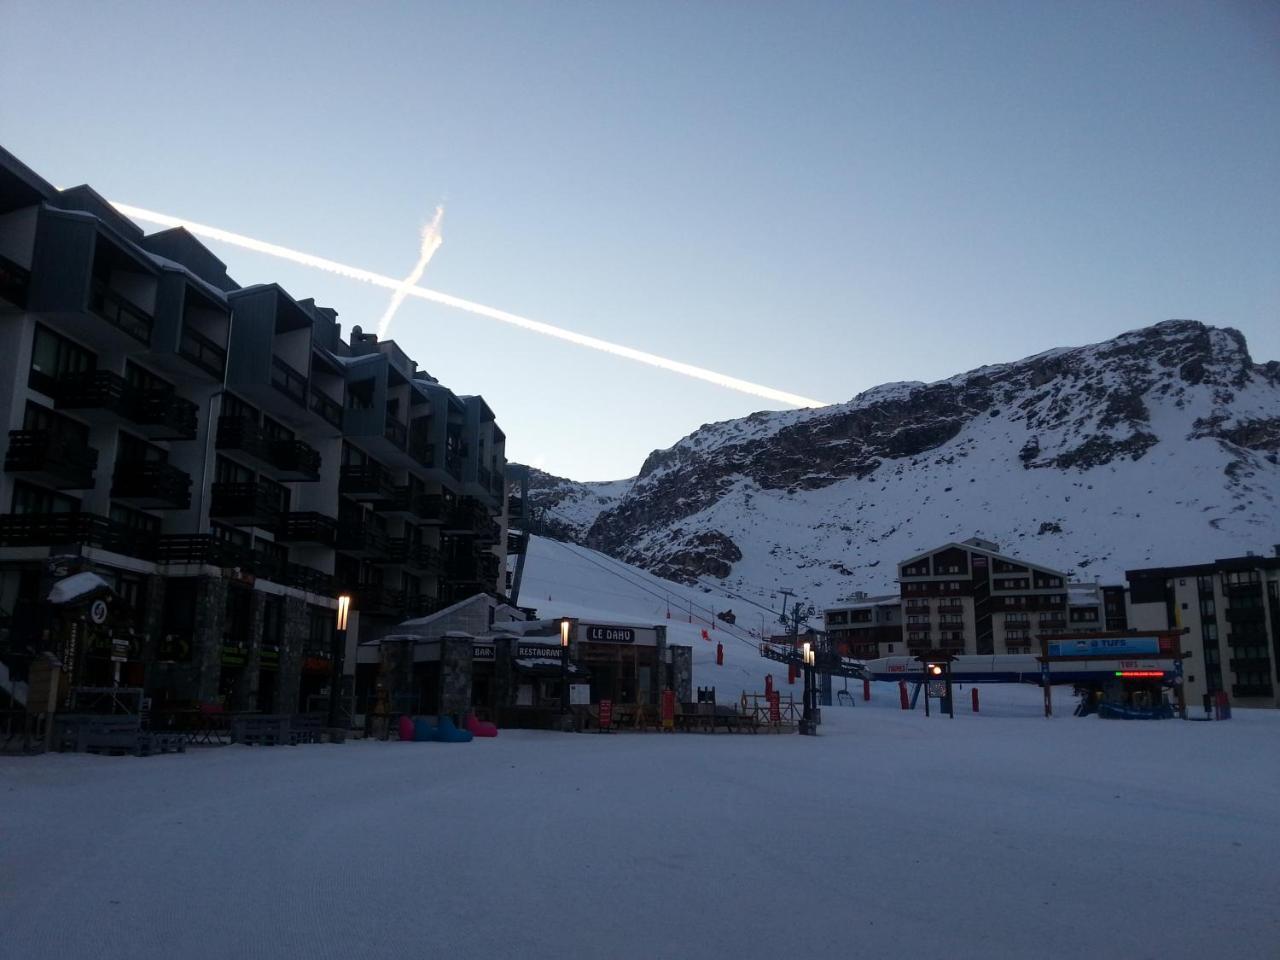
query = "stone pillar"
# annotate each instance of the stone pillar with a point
(682, 671)
(660, 670)
(244, 697)
(396, 674)
(199, 681)
(296, 628)
(455, 676)
(152, 618)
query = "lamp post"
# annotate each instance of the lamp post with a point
(807, 725)
(566, 626)
(336, 654)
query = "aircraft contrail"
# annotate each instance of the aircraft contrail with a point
(431, 241)
(470, 306)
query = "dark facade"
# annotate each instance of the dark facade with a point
(222, 457)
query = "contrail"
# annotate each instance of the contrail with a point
(431, 241)
(470, 306)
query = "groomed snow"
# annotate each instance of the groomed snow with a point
(997, 835)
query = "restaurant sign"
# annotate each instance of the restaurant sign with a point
(537, 651)
(611, 635)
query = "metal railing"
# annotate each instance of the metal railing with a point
(203, 351)
(154, 481)
(120, 313)
(46, 452)
(48, 529)
(288, 381)
(325, 407)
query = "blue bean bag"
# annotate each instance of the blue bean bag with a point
(423, 730)
(448, 732)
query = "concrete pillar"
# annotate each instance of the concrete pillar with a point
(504, 674)
(682, 669)
(660, 671)
(199, 679)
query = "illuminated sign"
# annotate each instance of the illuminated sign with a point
(1140, 673)
(612, 634)
(1104, 647)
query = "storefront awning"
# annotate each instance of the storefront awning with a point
(550, 669)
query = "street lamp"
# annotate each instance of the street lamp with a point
(807, 725)
(566, 625)
(336, 653)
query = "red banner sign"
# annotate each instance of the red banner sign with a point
(668, 709)
(606, 714)
(775, 708)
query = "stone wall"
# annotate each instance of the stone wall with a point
(455, 676)
(296, 626)
(682, 672)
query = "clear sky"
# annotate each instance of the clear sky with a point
(816, 196)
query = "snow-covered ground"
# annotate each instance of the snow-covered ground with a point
(988, 836)
(994, 835)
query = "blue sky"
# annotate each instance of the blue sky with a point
(816, 196)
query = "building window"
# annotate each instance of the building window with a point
(1207, 608)
(53, 357)
(135, 520)
(32, 499)
(136, 376)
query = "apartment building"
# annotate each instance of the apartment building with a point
(971, 599)
(866, 627)
(1231, 610)
(221, 458)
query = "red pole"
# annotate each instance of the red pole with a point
(791, 673)
(768, 684)
(866, 689)
(719, 654)
(975, 699)
(902, 695)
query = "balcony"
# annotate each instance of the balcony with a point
(362, 540)
(1246, 635)
(50, 459)
(466, 517)
(405, 503)
(105, 397)
(307, 527)
(120, 313)
(14, 281)
(281, 458)
(200, 548)
(163, 415)
(416, 556)
(65, 529)
(468, 568)
(326, 408)
(423, 453)
(1252, 690)
(950, 606)
(151, 485)
(1245, 615)
(366, 481)
(498, 484)
(308, 578)
(288, 381)
(200, 350)
(1250, 664)
(244, 504)
(396, 433)
(1052, 622)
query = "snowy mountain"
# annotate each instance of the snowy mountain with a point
(1159, 446)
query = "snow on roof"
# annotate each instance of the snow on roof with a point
(219, 296)
(77, 587)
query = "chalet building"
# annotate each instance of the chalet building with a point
(969, 598)
(1231, 610)
(866, 627)
(221, 458)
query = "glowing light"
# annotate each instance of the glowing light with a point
(431, 241)
(469, 306)
(1140, 673)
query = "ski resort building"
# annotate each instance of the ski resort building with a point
(221, 459)
(865, 627)
(486, 656)
(1231, 611)
(970, 599)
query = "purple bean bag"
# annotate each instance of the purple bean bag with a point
(406, 728)
(480, 728)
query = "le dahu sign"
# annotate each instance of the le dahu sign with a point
(611, 635)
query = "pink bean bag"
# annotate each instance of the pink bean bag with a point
(406, 728)
(480, 728)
